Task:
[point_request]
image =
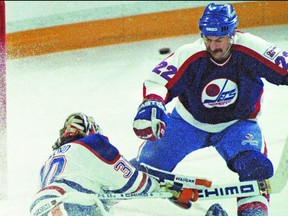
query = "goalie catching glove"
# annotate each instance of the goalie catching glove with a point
(150, 121)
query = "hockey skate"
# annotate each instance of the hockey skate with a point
(216, 210)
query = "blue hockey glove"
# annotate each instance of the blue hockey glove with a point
(150, 121)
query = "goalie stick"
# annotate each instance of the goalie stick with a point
(116, 196)
(92, 199)
(240, 189)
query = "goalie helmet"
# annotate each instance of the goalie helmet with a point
(218, 20)
(76, 126)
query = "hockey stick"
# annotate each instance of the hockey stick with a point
(280, 178)
(117, 196)
(181, 180)
(252, 188)
(92, 199)
(239, 189)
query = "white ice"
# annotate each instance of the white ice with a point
(106, 82)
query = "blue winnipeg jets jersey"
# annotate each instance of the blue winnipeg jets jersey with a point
(218, 94)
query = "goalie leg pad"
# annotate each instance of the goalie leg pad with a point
(252, 165)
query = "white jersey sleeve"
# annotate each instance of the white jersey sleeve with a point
(89, 165)
(94, 163)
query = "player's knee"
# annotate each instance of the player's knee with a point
(252, 165)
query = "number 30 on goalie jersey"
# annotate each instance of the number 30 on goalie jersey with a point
(93, 159)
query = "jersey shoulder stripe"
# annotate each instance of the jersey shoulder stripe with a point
(265, 52)
(100, 147)
(128, 185)
(183, 57)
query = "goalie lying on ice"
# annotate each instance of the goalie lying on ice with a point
(84, 161)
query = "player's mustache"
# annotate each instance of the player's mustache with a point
(215, 51)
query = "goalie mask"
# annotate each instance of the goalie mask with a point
(76, 126)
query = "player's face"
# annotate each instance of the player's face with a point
(217, 47)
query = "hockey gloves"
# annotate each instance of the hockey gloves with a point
(182, 197)
(150, 121)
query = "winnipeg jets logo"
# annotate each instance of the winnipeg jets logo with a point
(219, 93)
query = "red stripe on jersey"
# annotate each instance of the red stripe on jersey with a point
(142, 183)
(257, 107)
(265, 151)
(60, 190)
(183, 67)
(260, 58)
(154, 97)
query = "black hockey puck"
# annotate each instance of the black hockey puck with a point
(164, 50)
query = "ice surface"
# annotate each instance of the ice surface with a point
(106, 82)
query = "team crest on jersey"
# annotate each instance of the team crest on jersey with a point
(271, 52)
(63, 149)
(219, 93)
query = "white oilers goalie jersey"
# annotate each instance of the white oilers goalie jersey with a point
(213, 96)
(90, 165)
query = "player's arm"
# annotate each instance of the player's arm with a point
(274, 67)
(264, 58)
(141, 182)
(117, 175)
(151, 118)
(165, 82)
(110, 169)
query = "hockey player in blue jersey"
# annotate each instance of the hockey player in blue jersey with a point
(216, 82)
(85, 162)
